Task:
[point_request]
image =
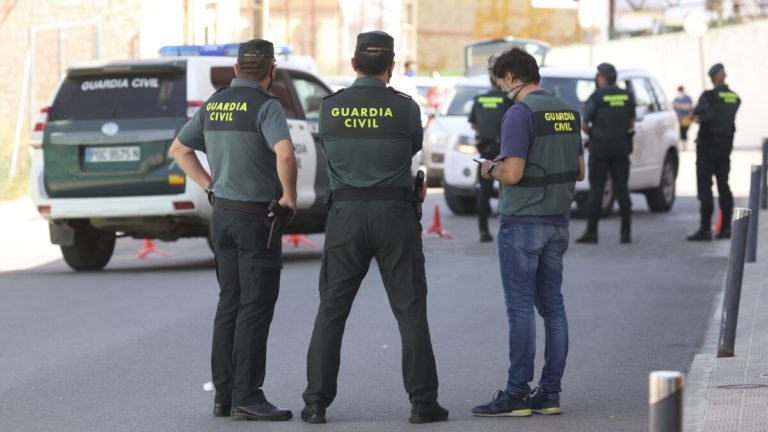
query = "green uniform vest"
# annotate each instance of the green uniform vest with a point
(613, 108)
(720, 115)
(487, 111)
(552, 166)
(370, 133)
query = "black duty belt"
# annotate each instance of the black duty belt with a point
(248, 207)
(365, 194)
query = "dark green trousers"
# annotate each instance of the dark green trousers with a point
(356, 232)
(249, 281)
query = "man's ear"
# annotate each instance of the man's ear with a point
(273, 72)
(354, 65)
(237, 70)
(391, 68)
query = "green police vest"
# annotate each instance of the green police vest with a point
(721, 113)
(614, 109)
(552, 166)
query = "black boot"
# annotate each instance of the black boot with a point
(590, 235)
(700, 235)
(626, 236)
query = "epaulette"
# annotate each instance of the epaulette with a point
(334, 93)
(399, 93)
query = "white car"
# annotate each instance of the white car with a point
(653, 163)
(101, 167)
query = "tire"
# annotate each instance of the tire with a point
(582, 200)
(459, 205)
(662, 198)
(92, 249)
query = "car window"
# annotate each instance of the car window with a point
(280, 89)
(642, 94)
(310, 93)
(139, 95)
(575, 91)
(661, 99)
(457, 98)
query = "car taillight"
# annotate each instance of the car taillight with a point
(45, 209)
(184, 205)
(36, 137)
(192, 107)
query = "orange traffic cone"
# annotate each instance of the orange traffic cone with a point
(149, 247)
(719, 225)
(436, 228)
(296, 239)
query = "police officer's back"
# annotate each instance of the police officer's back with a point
(611, 112)
(243, 131)
(716, 114)
(370, 133)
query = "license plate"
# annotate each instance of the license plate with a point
(113, 154)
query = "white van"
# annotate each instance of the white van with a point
(653, 163)
(101, 167)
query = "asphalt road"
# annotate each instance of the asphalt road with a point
(127, 348)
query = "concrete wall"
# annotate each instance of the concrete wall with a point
(674, 60)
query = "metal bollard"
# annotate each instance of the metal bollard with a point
(754, 201)
(733, 278)
(764, 180)
(665, 391)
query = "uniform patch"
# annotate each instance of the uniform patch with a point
(728, 97)
(361, 117)
(490, 102)
(556, 123)
(616, 100)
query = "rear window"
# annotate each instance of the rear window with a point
(459, 100)
(575, 91)
(121, 96)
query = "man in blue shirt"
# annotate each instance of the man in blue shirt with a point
(541, 159)
(683, 105)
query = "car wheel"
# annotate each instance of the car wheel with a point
(662, 198)
(459, 205)
(582, 200)
(92, 248)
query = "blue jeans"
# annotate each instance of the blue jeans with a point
(531, 262)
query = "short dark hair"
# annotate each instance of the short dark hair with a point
(680, 88)
(373, 63)
(256, 69)
(517, 62)
(609, 77)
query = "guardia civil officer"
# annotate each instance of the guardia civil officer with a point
(243, 131)
(716, 113)
(541, 159)
(370, 133)
(485, 117)
(611, 112)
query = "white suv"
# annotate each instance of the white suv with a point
(653, 163)
(101, 167)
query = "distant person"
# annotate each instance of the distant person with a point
(436, 93)
(715, 112)
(683, 105)
(541, 159)
(609, 120)
(487, 111)
(411, 69)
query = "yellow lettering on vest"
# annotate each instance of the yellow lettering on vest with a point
(348, 122)
(244, 106)
(345, 112)
(364, 112)
(388, 113)
(354, 113)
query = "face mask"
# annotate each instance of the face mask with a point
(511, 93)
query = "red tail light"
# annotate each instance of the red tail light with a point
(192, 107)
(44, 209)
(184, 205)
(36, 137)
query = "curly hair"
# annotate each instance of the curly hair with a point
(517, 62)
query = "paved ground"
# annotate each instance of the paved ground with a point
(127, 348)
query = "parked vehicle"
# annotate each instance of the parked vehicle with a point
(653, 164)
(101, 167)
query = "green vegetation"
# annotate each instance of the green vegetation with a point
(18, 186)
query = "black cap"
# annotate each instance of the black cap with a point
(606, 69)
(375, 41)
(717, 67)
(256, 49)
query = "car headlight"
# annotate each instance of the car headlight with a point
(464, 145)
(437, 139)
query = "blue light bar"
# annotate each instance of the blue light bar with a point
(229, 50)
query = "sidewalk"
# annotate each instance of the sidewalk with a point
(708, 407)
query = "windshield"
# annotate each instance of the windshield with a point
(476, 54)
(575, 91)
(121, 96)
(459, 100)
